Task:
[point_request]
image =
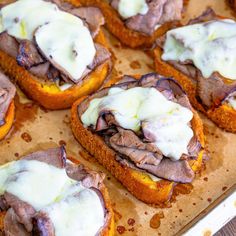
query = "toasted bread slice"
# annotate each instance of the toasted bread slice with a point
(49, 95)
(117, 27)
(224, 116)
(140, 184)
(108, 228)
(4, 129)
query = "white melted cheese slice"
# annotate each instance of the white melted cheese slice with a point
(61, 37)
(82, 215)
(49, 189)
(168, 120)
(21, 18)
(71, 48)
(129, 8)
(211, 46)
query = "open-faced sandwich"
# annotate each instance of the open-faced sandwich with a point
(145, 132)
(7, 107)
(138, 22)
(55, 51)
(201, 56)
(45, 194)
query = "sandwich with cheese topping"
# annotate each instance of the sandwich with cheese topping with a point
(7, 107)
(145, 132)
(201, 57)
(43, 193)
(138, 23)
(54, 50)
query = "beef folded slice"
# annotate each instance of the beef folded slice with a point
(132, 154)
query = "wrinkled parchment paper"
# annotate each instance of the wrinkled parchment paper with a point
(37, 129)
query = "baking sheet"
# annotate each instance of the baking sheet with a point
(36, 128)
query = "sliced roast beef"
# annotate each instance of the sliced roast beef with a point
(194, 147)
(92, 15)
(12, 227)
(43, 225)
(3, 204)
(212, 91)
(207, 15)
(28, 55)
(23, 210)
(160, 12)
(7, 93)
(178, 171)
(127, 143)
(89, 178)
(41, 70)
(53, 156)
(8, 44)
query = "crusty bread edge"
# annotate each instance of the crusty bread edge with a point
(10, 116)
(224, 116)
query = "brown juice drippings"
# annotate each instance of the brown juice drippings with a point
(26, 137)
(131, 221)
(120, 229)
(181, 189)
(23, 113)
(135, 65)
(155, 221)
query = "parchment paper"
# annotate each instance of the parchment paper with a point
(37, 129)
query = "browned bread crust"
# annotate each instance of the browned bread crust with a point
(138, 183)
(224, 116)
(10, 116)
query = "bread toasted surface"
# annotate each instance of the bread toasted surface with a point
(138, 183)
(224, 116)
(10, 116)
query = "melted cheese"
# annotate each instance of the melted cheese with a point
(169, 121)
(61, 37)
(49, 189)
(21, 18)
(211, 46)
(82, 214)
(129, 8)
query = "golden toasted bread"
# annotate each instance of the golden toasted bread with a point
(10, 116)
